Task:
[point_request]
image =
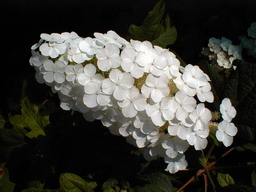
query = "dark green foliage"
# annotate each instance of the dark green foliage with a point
(156, 28)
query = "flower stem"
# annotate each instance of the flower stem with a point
(201, 171)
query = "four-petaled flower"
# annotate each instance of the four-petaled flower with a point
(228, 112)
(225, 133)
(118, 84)
(156, 88)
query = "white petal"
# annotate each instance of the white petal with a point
(220, 135)
(140, 103)
(82, 79)
(104, 65)
(89, 70)
(129, 111)
(120, 93)
(156, 95)
(91, 87)
(59, 77)
(114, 75)
(231, 129)
(200, 143)
(48, 77)
(108, 87)
(90, 100)
(171, 153)
(227, 140)
(103, 100)
(181, 114)
(79, 58)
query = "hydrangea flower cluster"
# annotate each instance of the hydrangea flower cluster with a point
(224, 52)
(249, 42)
(137, 90)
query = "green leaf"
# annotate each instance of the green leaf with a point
(154, 29)
(5, 184)
(155, 16)
(110, 185)
(241, 82)
(147, 188)
(38, 186)
(2, 121)
(168, 37)
(12, 137)
(225, 179)
(27, 107)
(70, 182)
(247, 146)
(253, 177)
(31, 118)
(158, 182)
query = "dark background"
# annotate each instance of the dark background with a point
(23, 21)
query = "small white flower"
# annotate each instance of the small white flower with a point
(162, 111)
(108, 57)
(183, 86)
(186, 104)
(198, 139)
(214, 45)
(145, 52)
(129, 64)
(225, 132)
(119, 41)
(133, 103)
(54, 72)
(174, 146)
(118, 84)
(204, 93)
(72, 71)
(194, 76)
(156, 88)
(88, 73)
(201, 117)
(74, 53)
(87, 46)
(225, 43)
(37, 59)
(176, 164)
(144, 123)
(179, 129)
(55, 45)
(228, 112)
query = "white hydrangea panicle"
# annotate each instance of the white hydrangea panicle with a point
(137, 90)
